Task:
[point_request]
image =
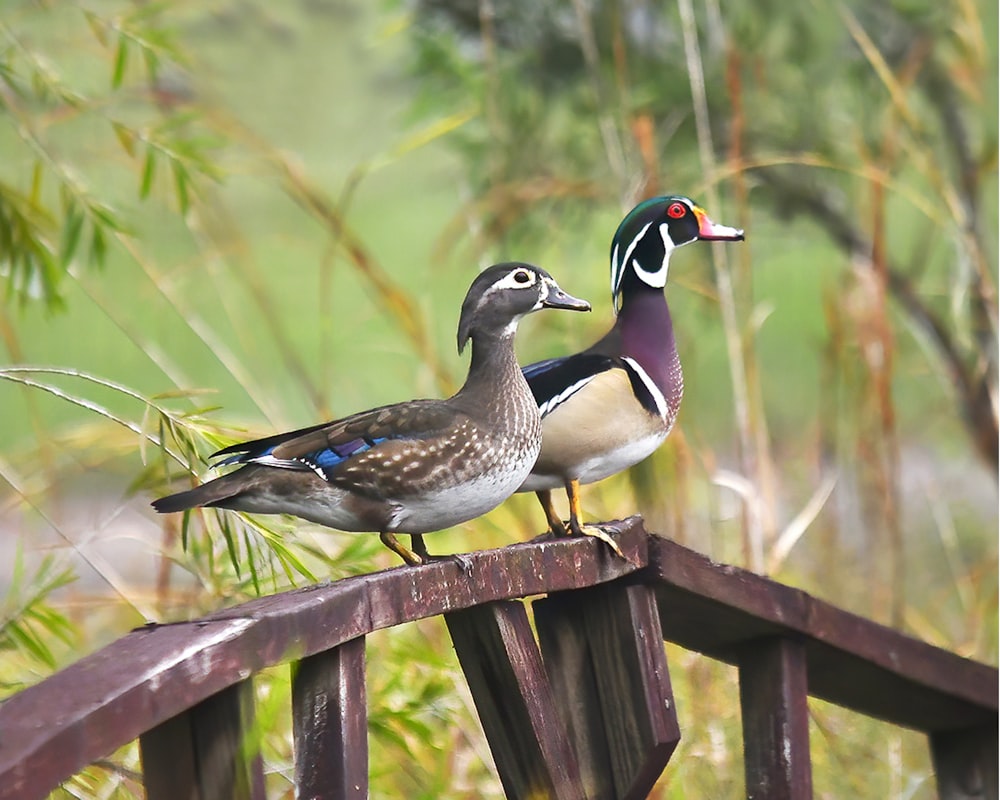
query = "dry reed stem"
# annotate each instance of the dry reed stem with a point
(736, 346)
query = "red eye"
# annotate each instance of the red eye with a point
(676, 210)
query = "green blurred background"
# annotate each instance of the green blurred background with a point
(255, 216)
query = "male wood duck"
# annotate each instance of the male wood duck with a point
(613, 404)
(411, 467)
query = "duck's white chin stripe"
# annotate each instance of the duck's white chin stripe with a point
(628, 257)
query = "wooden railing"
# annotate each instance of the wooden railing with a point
(583, 711)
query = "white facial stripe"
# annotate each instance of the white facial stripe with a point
(628, 254)
(657, 278)
(616, 271)
(661, 401)
(564, 395)
(544, 288)
(508, 281)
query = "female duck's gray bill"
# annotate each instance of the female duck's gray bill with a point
(557, 298)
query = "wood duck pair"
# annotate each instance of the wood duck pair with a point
(412, 467)
(425, 465)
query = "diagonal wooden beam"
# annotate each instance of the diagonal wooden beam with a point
(501, 662)
(603, 651)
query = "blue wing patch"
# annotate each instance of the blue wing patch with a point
(330, 457)
(321, 461)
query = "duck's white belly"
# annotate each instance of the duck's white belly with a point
(602, 464)
(456, 504)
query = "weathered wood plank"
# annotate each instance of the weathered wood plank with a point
(852, 661)
(50, 731)
(330, 724)
(107, 699)
(965, 763)
(169, 763)
(503, 667)
(775, 708)
(207, 752)
(562, 636)
(603, 651)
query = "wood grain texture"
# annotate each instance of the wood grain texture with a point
(330, 724)
(87, 710)
(206, 752)
(503, 667)
(965, 763)
(109, 698)
(603, 650)
(852, 662)
(775, 709)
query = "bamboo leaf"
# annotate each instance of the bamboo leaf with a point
(121, 62)
(23, 639)
(126, 137)
(37, 173)
(98, 246)
(181, 179)
(254, 577)
(152, 63)
(148, 172)
(227, 533)
(72, 228)
(97, 27)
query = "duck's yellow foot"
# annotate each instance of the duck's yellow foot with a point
(401, 550)
(596, 531)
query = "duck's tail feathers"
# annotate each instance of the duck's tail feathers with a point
(213, 493)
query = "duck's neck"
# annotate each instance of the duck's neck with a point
(495, 382)
(644, 332)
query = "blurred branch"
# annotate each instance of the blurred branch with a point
(973, 378)
(737, 346)
(613, 148)
(401, 307)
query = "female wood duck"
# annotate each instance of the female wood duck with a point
(612, 405)
(411, 467)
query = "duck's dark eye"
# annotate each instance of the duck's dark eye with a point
(676, 210)
(522, 276)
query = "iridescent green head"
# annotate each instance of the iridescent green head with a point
(651, 231)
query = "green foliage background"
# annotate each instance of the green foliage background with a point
(222, 219)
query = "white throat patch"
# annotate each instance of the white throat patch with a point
(656, 278)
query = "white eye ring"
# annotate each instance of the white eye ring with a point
(522, 276)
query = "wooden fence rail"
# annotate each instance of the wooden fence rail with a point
(584, 713)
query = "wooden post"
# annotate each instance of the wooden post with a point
(603, 651)
(203, 753)
(965, 763)
(504, 669)
(774, 702)
(330, 724)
